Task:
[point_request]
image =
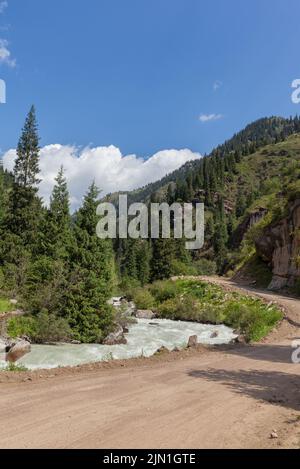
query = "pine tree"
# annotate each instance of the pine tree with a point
(143, 257)
(162, 256)
(55, 236)
(91, 277)
(21, 221)
(24, 205)
(27, 163)
(130, 261)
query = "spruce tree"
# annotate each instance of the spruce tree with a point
(162, 256)
(21, 222)
(26, 167)
(143, 261)
(91, 275)
(60, 219)
(24, 205)
(130, 260)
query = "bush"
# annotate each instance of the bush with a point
(205, 267)
(253, 318)
(181, 268)
(163, 290)
(50, 328)
(143, 299)
(43, 328)
(211, 314)
(22, 326)
(185, 309)
(128, 285)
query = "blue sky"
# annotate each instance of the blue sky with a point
(137, 74)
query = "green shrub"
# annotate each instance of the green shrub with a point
(14, 368)
(43, 328)
(252, 317)
(24, 325)
(205, 267)
(211, 314)
(50, 328)
(181, 268)
(181, 309)
(127, 286)
(163, 290)
(143, 299)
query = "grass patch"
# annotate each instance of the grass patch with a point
(14, 368)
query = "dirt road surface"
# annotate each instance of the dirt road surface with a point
(230, 397)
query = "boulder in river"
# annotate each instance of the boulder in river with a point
(193, 341)
(145, 314)
(17, 350)
(214, 335)
(116, 337)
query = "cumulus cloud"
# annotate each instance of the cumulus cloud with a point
(106, 165)
(5, 54)
(210, 117)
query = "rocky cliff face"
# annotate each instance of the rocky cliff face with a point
(246, 224)
(280, 246)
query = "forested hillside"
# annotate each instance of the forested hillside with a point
(246, 184)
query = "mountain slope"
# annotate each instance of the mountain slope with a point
(248, 184)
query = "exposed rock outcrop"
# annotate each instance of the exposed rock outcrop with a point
(246, 224)
(280, 246)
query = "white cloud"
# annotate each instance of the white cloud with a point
(3, 6)
(217, 85)
(5, 54)
(106, 165)
(210, 117)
